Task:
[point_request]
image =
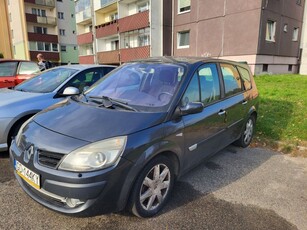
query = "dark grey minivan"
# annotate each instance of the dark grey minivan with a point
(125, 141)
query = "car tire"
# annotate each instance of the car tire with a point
(152, 188)
(247, 134)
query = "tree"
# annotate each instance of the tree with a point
(1, 55)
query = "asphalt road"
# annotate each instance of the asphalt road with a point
(249, 188)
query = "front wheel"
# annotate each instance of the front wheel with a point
(247, 134)
(152, 187)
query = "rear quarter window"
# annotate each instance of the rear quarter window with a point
(232, 80)
(246, 77)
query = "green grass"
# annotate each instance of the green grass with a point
(282, 113)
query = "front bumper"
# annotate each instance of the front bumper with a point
(98, 192)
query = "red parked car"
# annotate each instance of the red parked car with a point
(13, 72)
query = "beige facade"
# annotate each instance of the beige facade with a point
(46, 27)
(5, 41)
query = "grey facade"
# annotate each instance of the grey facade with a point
(237, 30)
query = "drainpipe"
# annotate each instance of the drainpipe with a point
(94, 33)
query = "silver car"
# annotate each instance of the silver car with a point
(26, 99)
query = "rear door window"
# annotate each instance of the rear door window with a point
(209, 83)
(28, 68)
(232, 80)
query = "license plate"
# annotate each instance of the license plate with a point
(28, 175)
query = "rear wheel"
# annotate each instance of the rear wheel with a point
(247, 134)
(153, 187)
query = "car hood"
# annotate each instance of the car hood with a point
(91, 123)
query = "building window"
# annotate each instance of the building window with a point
(299, 2)
(62, 32)
(114, 45)
(39, 12)
(74, 32)
(75, 47)
(184, 6)
(265, 68)
(295, 34)
(143, 6)
(270, 31)
(136, 38)
(113, 16)
(47, 47)
(183, 39)
(72, 15)
(60, 15)
(40, 46)
(290, 67)
(40, 30)
(12, 33)
(55, 47)
(63, 48)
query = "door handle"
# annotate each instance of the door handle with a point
(222, 112)
(244, 102)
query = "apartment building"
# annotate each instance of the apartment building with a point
(5, 39)
(113, 32)
(265, 33)
(43, 26)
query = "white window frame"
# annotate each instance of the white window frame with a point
(179, 7)
(179, 33)
(295, 34)
(62, 32)
(270, 31)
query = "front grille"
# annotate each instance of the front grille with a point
(49, 159)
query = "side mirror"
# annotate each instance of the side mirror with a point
(69, 91)
(192, 108)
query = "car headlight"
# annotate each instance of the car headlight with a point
(98, 155)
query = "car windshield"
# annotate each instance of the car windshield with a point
(146, 86)
(47, 81)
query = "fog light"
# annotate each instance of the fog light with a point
(72, 203)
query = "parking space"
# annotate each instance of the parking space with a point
(238, 188)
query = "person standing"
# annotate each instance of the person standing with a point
(42, 63)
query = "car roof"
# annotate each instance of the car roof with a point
(186, 60)
(14, 60)
(83, 66)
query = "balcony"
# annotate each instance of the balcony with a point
(84, 17)
(134, 53)
(43, 37)
(108, 57)
(85, 38)
(52, 56)
(89, 59)
(47, 3)
(41, 20)
(107, 29)
(134, 22)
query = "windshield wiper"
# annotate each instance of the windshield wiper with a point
(109, 102)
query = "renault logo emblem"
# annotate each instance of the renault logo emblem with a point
(28, 153)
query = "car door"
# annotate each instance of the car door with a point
(234, 101)
(202, 130)
(7, 73)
